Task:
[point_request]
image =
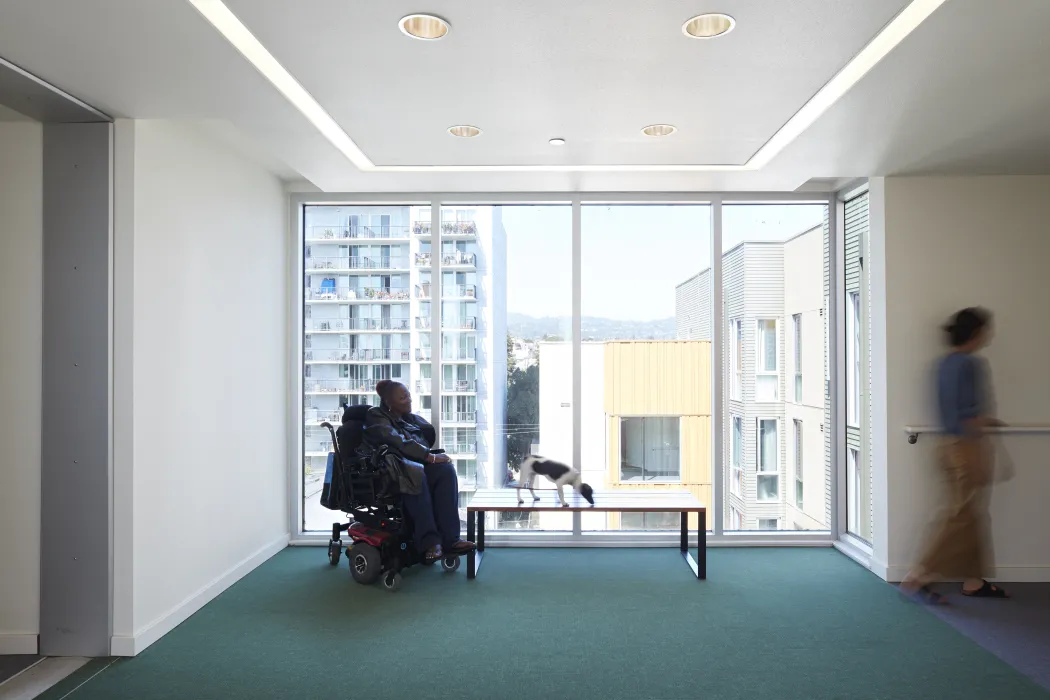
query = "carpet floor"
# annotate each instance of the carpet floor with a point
(776, 624)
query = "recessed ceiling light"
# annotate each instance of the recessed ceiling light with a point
(464, 131)
(557, 142)
(659, 130)
(425, 27)
(708, 26)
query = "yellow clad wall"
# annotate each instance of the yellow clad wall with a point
(661, 378)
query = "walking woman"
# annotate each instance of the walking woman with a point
(961, 547)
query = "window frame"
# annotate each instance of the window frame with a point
(853, 358)
(761, 473)
(796, 321)
(736, 359)
(736, 456)
(619, 474)
(759, 351)
(798, 437)
(433, 202)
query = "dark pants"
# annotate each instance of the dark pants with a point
(435, 511)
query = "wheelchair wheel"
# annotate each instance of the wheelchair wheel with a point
(392, 581)
(366, 565)
(335, 552)
(450, 564)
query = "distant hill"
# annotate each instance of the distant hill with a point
(532, 328)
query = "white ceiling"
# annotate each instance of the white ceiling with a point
(966, 92)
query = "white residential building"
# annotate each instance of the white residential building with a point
(368, 316)
(774, 314)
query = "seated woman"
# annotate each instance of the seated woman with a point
(431, 499)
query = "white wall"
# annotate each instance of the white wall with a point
(21, 277)
(209, 367)
(938, 245)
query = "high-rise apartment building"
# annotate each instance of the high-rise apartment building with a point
(371, 281)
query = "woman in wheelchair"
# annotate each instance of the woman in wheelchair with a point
(430, 495)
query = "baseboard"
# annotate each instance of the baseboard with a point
(1003, 574)
(19, 644)
(133, 645)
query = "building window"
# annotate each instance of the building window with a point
(798, 463)
(735, 521)
(768, 524)
(796, 324)
(737, 484)
(768, 462)
(852, 489)
(650, 521)
(650, 449)
(767, 368)
(853, 358)
(736, 342)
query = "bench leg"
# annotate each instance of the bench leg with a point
(698, 565)
(475, 524)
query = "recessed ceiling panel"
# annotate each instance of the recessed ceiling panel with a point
(593, 72)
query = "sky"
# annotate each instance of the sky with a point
(633, 256)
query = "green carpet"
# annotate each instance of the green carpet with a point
(774, 624)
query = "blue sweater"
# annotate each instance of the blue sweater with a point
(960, 391)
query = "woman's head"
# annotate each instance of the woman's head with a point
(969, 329)
(394, 396)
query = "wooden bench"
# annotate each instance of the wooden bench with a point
(506, 500)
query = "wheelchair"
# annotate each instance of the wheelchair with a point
(380, 532)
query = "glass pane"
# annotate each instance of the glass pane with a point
(775, 265)
(500, 323)
(858, 370)
(359, 282)
(646, 355)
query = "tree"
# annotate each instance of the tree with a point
(522, 423)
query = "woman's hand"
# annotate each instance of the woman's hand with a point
(438, 458)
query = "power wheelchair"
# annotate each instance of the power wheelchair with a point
(379, 530)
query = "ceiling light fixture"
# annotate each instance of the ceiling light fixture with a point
(252, 49)
(899, 28)
(464, 131)
(557, 142)
(708, 26)
(424, 27)
(659, 130)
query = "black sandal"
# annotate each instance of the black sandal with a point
(433, 554)
(987, 590)
(927, 596)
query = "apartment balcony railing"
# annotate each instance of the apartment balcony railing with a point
(457, 259)
(316, 415)
(459, 416)
(344, 233)
(346, 325)
(357, 294)
(466, 323)
(421, 228)
(451, 386)
(354, 263)
(357, 355)
(317, 447)
(448, 355)
(459, 228)
(455, 291)
(461, 448)
(339, 386)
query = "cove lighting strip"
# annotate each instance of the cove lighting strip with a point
(227, 24)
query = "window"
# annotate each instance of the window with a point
(852, 489)
(768, 467)
(853, 330)
(650, 449)
(736, 343)
(768, 524)
(796, 325)
(650, 521)
(798, 463)
(767, 380)
(735, 521)
(736, 461)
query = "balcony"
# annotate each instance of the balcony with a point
(459, 386)
(358, 264)
(448, 355)
(323, 234)
(455, 291)
(466, 323)
(459, 229)
(359, 294)
(421, 228)
(461, 449)
(459, 417)
(339, 386)
(316, 416)
(361, 325)
(456, 260)
(369, 355)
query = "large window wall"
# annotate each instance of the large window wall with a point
(589, 332)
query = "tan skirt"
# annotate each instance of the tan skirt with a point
(961, 544)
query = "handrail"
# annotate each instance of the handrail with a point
(914, 431)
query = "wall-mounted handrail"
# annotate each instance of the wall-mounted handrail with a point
(914, 431)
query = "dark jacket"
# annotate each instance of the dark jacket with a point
(409, 439)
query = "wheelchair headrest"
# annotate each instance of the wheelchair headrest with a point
(355, 414)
